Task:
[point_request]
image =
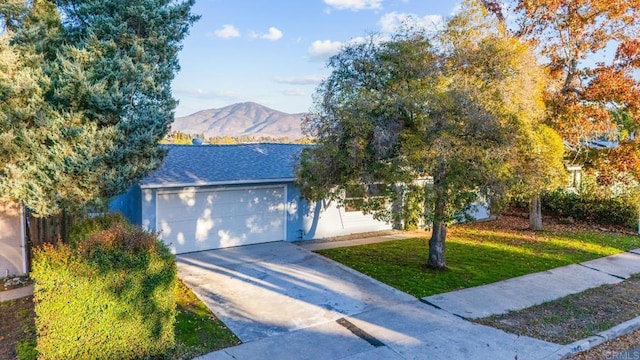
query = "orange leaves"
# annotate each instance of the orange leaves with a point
(569, 35)
(623, 159)
(575, 120)
(611, 85)
(628, 53)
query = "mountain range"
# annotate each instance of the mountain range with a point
(246, 119)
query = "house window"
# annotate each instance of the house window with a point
(354, 200)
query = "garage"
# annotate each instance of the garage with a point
(195, 219)
(217, 196)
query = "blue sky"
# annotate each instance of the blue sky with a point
(274, 52)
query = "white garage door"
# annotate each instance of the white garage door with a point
(194, 220)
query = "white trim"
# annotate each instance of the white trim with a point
(199, 188)
(155, 208)
(215, 183)
(286, 213)
(23, 243)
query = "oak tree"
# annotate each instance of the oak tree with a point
(451, 106)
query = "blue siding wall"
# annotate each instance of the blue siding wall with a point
(128, 204)
(296, 206)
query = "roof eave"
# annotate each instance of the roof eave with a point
(214, 183)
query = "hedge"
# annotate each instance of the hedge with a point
(90, 226)
(109, 296)
(610, 210)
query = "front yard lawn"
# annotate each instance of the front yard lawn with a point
(197, 330)
(481, 253)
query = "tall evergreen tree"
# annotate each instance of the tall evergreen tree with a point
(101, 100)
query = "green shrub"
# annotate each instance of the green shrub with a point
(111, 296)
(87, 227)
(592, 207)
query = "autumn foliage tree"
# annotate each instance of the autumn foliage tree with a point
(453, 106)
(592, 51)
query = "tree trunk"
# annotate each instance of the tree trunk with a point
(439, 231)
(535, 213)
(436, 246)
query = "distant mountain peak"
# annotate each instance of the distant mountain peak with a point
(242, 119)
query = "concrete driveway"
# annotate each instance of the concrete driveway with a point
(269, 289)
(285, 302)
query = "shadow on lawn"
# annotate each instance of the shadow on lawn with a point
(477, 257)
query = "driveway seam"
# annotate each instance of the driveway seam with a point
(604, 272)
(355, 330)
(422, 300)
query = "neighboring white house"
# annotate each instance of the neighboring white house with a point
(215, 196)
(13, 259)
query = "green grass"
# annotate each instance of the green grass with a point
(197, 329)
(477, 254)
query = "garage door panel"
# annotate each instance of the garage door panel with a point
(182, 214)
(199, 220)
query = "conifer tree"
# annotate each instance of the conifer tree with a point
(86, 124)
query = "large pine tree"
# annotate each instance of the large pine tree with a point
(85, 96)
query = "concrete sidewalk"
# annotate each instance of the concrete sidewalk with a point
(528, 290)
(516, 293)
(285, 302)
(330, 244)
(17, 293)
(280, 285)
(408, 330)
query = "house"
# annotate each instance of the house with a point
(13, 256)
(216, 196)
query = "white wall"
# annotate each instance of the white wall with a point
(11, 241)
(325, 219)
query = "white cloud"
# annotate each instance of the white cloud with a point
(393, 21)
(293, 92)
(299, 80)
(324, 49)
(197, 93)
(228, 31)
(355, 5)
(274, 34)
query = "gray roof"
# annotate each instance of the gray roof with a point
(188, 165)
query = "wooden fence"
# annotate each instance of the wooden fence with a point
(50, 230)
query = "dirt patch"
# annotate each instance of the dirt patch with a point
(611, 349)
(576, 316)
(16, 325)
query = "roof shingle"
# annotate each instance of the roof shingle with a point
(188, 165)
